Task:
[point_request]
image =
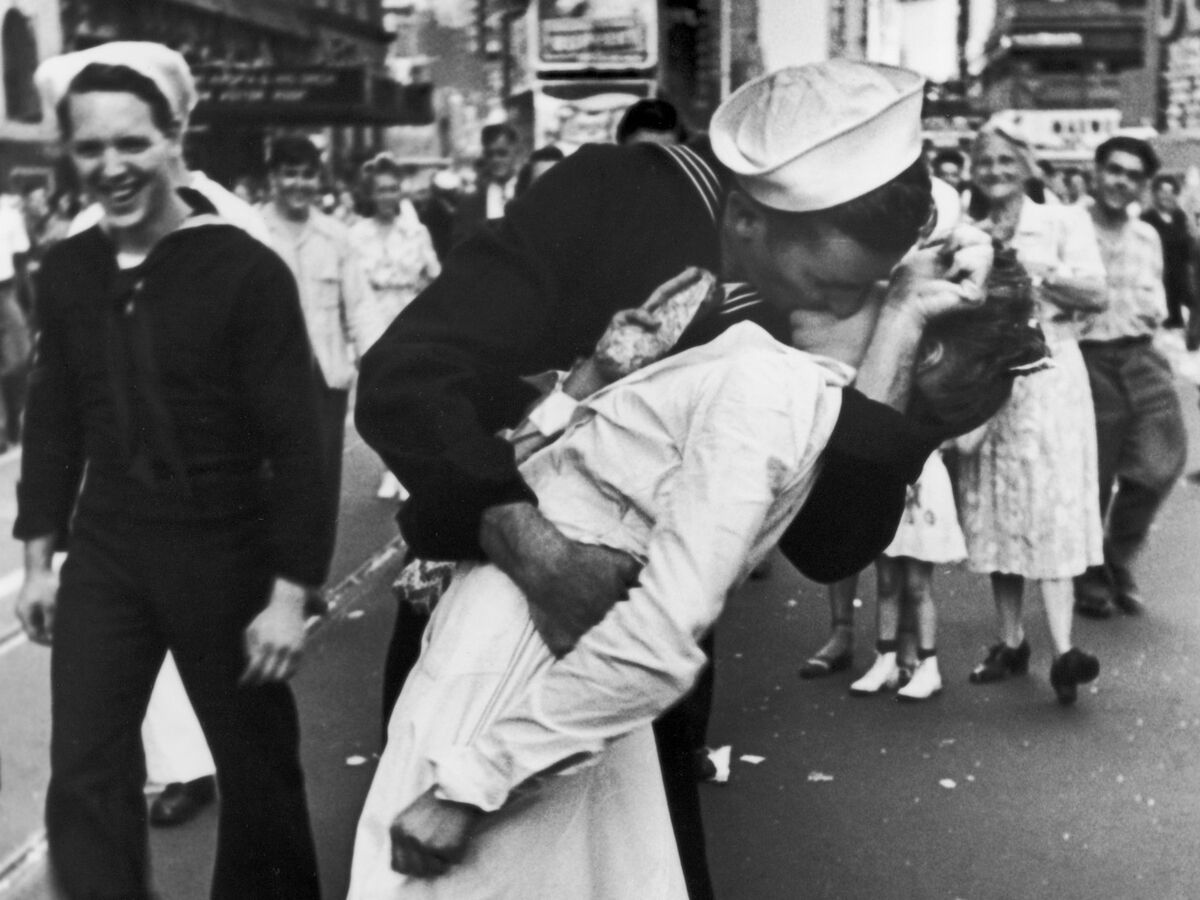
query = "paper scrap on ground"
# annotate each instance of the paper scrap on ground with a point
(751, 758)
(355, 614)
(720, 759)
(355, 760)
(819, 776)
(948, 783)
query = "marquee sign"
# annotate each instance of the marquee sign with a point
(594, 34)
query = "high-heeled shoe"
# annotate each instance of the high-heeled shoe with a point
(819, 664)
(837, 653)
(1002, 661)
(884, 674)
(926, 681)
(1071, 669)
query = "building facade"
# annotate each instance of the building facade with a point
(1071, 54)
(261, 66)
(30, 31)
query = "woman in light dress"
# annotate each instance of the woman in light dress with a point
(693, 466)
(398, 261)
(1028, 480)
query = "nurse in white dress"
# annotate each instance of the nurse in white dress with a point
(717, 451)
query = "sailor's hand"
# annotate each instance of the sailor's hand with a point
(275, 639)
(36, 605)
(569, 586)
(431, 835)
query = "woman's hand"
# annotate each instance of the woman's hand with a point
(431, 835)
(942, 277)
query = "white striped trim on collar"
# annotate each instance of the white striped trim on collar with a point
(738, 296)
(703, 178)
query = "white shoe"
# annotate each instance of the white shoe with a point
(884, 674)
(925, 682)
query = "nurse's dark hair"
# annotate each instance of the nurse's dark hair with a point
(983, 349)
(887, 219)
(117, 79)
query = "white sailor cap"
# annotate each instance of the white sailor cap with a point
(165, 67)
(810, 137)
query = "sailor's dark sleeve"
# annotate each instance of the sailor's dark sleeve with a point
(281, 381)
(52, 461)
(446, 375)
(856, 503)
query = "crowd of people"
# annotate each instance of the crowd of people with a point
(1062, 485)
(605, 387)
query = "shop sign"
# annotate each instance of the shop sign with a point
(1046, 39)
(298, 86)
(595, 34)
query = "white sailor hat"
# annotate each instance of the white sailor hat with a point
(810, 137)
(165, 67)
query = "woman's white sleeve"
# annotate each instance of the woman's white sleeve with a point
(750, 439)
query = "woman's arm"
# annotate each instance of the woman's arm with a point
(1077, 283)
(748, 443)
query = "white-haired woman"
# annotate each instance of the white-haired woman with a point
(1028, 486)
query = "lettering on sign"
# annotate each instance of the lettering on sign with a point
(289, 87)
(594, 34)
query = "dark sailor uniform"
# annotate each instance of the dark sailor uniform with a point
(172, 443)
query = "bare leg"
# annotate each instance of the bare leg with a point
(1058, 597)
(918, 603)
(1009, 591)
(1011, 655)
(889, 577)
(837, 652)
(884, 673)
(918, 578)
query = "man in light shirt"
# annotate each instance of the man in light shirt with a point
(316, 247)
(1142, 441)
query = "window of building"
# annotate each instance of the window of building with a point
(19, 47)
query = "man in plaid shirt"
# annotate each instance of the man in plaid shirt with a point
(1139, 424)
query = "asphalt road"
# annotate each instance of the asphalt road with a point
(984, 793)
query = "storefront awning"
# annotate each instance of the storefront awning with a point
(308, 95)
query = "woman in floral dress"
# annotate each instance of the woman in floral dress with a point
(1028, 481)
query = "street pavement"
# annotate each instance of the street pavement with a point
(987, 792)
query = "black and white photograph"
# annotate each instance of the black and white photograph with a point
(599, 449)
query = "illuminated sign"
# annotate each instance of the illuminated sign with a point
(594, 34)
(1040, 39)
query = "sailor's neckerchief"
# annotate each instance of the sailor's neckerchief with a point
(741, 300)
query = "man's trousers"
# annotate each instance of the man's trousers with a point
(1140, 436)
(129, 591)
